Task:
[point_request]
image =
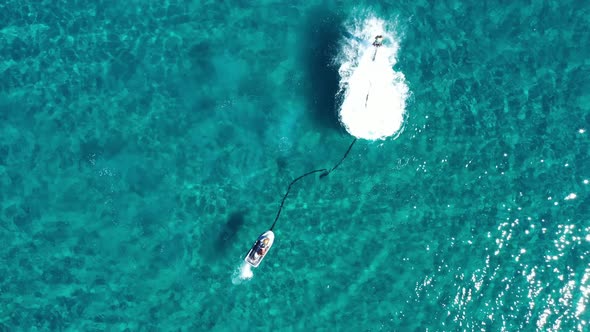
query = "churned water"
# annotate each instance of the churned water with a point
(145, 145)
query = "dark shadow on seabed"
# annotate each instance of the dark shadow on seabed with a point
(321, 34)
(228, 232)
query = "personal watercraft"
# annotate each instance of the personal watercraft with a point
(260, 248)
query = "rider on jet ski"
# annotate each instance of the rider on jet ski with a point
(261, 248)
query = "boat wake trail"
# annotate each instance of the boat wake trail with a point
(372, 95)
(242, 273)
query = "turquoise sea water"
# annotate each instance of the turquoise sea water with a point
(144, 146)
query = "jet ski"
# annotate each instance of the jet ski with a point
(378, 42)
(260, 248)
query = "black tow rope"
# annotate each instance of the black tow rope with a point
(324, 171)
(341, 160)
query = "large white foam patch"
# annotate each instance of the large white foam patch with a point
(372, 94)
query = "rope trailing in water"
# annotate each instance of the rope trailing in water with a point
(325, 173)
(341, 160)
(287, 193)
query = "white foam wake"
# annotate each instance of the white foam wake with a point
(372, 94)
(242, 273)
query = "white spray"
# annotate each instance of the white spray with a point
(373, 95)
(242, 273)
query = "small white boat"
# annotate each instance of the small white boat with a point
(260, 248)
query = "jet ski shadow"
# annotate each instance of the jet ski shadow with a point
(319, 46)
(228, 233)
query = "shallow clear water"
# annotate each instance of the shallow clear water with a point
(145, 146)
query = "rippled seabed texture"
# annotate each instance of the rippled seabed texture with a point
(144, 147)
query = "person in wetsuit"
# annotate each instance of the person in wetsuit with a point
(378, 41)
